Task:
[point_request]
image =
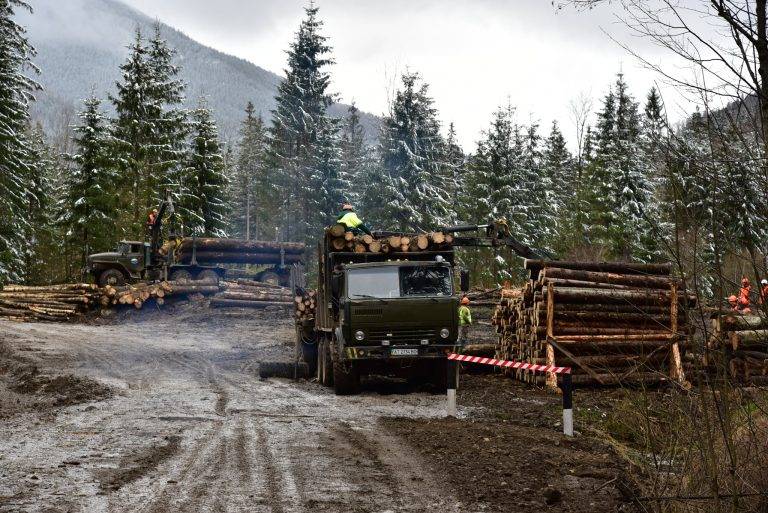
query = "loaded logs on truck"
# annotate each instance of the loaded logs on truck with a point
(236, 251)
(305, 303)
(739, 343)
(611, 322)
(342, 240)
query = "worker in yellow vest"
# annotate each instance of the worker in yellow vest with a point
(349, 219)
(465, 321)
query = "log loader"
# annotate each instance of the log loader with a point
(390, 313)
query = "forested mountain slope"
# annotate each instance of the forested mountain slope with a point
(81, 44)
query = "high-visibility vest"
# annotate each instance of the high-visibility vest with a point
(350, 220)
(465, 316)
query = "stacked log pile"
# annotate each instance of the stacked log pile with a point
(47, 303)
(741, 343)
(342, 240)
(305, 305)
(138, 294)
(610, 322)
(236, 251)
(252, 294)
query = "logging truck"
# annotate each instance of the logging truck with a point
(190, 258)
(383, 307)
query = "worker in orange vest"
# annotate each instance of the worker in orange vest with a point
(763, 290)
(733, 302)
(744, 292)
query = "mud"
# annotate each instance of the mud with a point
(187, 425)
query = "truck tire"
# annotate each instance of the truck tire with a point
(111, 277)
(438, 377)
(208, 275)
(180, 275)
(345, 381)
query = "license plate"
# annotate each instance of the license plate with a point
(404, 352)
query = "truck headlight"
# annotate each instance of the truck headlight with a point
(359, 335)
(445, 333)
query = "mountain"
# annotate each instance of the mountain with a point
(81, 44)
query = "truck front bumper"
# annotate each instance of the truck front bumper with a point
(399, 352)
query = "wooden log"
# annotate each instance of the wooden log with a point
(639, 280)
(337, 230)
(748, 338)
(608, 308)
(374, 246)
(360, 247)
(437, 237)
(46, 288)
(194, 289)
(238, 257)
(367, 239)
(224, 303)
(562, 331)
(580, 295)
(338, 243)
(422, 242)
(246, 296)
(259, 284)
(562, 282)
(349, 236)
(405, 241)
(239, 245)
(735, 322)
(609, 267)
(395, 241)
(607, 317)
(405, 248)
(616, 338)
(619, 378)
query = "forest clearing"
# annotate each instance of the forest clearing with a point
(226, 289)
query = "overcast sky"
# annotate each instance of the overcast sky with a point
(475, 54)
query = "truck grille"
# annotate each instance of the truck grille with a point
(367, 311)
(402, 335)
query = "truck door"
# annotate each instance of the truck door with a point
(135, 258)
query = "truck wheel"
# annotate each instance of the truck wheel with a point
(270, 277)
(208, 275)
(438, 377)
(111, 277)
(180, 275)
(345, 381)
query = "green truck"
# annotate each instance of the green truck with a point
(392, 314)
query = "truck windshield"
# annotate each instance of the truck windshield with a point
(123, 247)
(391, 282)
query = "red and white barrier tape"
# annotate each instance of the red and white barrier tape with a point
(509, 364)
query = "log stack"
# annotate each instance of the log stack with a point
(305, 305)
(342, 240)
(237, 251)
(740, 342)
(252, 294)
(48, 302)
(138, 294)
(610, 322)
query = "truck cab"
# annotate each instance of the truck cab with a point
(127, 263)
(391, 315)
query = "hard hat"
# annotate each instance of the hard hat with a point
(347, 206)
(154, 210)
(745, 281)
(732, 299)
(465, 300)
(764, 282)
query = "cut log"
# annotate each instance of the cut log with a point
(438, 237)
(733, 322)
(360, 247)
(374, 246)
(395, 241)
(608, 267)
(338, 243)
(613, 278)
(238, 257)
(579, 295)
(337, 230)
(349, 236)
(367, 239)
(254, 297)
(616, 338)
(422, 241)
(239, 245)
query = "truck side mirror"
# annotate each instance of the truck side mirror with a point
(336, 284)
(464, 280)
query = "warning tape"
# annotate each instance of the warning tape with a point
(509, 364)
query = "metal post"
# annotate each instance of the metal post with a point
(452, 376)
(567, 387)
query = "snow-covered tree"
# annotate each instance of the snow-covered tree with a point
(251, 191)
(203, 207)
(454, 176)
(88, 209)
(355, 156)
(149, 130)
(16, 162)
(411, 193)
(39, 251)
(301, 129)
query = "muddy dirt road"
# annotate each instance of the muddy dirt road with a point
(190, 427)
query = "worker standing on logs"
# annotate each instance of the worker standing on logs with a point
(351, 221)
(465, 320)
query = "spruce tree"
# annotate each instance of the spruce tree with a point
(411, 193)
(203, 209)
(559, 168)
(39, 252)
(250, 190)
(302, 130)
(16, 162)
(88, 209)
(354, 155)
(454, 176)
